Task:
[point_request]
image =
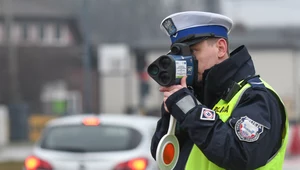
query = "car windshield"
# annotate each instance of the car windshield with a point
(80, 138)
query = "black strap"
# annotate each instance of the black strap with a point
(253, 80)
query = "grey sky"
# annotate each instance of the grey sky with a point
(260, 13)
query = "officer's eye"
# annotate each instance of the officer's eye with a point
(194, 50)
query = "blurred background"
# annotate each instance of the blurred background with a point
(68, 57)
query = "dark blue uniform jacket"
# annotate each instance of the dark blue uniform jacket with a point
(219, 141)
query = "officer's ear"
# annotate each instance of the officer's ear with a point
(222, 48)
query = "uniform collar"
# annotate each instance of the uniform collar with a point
(218, 78)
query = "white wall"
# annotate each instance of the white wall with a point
(118, 91)
(275, 67)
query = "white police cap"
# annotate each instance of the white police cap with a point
(184, 24)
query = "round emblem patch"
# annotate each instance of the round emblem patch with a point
(248, 130)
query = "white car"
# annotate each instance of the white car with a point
(95, 142)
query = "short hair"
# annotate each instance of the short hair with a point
(213, 40)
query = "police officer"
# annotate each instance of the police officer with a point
(232, 119)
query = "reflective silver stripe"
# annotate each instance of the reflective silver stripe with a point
(274, 155)
(186, 104)
(256, 83)
(240, 97)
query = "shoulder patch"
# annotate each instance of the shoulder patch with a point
(248, 130)
(207, 114)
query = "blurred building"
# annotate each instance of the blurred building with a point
(41, 57)
(42, 47)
